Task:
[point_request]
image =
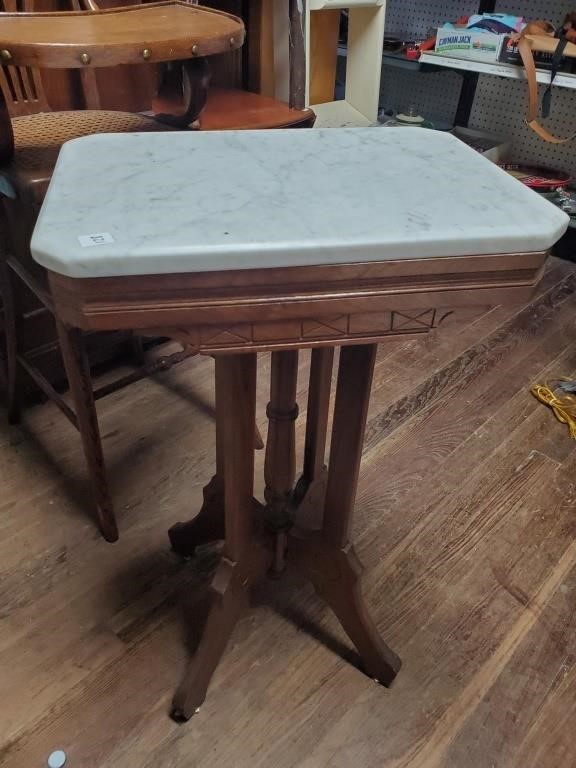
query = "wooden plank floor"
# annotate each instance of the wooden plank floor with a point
(466, 522)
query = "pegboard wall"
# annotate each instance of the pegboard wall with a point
(433, 94)
(500, 104)
(411, 19)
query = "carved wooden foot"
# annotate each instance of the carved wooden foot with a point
(335, 574)
(326, 556)
(230, 595)
(207, 526)
(229, 602)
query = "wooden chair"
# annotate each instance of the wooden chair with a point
(235, 109)
(240, 109)
(28, 153)
(29, 146)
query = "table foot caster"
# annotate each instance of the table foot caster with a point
(179, 716)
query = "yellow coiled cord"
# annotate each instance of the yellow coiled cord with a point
(563, 405)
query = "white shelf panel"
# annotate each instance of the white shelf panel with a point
(338, 114)
(319, 5)
(497, 69)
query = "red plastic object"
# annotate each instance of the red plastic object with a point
(428, 45)
(536, 177)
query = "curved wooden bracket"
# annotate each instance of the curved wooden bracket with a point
(182, 92)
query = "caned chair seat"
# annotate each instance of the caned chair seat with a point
(38, 138)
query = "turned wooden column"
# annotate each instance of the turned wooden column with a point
(280, 461)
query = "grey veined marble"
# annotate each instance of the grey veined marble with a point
(135, 204)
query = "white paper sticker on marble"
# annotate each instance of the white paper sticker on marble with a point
(99, 238)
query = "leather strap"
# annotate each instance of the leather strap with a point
(525, 51)
(556, 61)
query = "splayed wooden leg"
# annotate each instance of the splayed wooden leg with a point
(246, 556)
(326, 556)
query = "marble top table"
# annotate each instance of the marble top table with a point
(166, 203)
(234, 243)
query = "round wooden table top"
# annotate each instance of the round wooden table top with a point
(162, 31)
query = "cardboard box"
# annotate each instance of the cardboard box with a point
(468, 44)
(492, 147)
(509, 54)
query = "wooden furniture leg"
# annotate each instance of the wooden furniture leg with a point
(78, 373)
(280, 460)
(258, 442)
(138, 355)
(311, 488)
(246, 556)
(327, 557)
(182, 91)
(209, 523)
(11, 340)
(207, 526)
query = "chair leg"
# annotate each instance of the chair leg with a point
(11, 337)
(78, 373)
(138, 356)
(258, 441)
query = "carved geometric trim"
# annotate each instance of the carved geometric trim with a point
(331, 329)
(413, 321)
(325, 327)
(236, 334)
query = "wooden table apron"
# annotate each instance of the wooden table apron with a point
(236, 314)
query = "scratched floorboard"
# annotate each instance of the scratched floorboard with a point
(465, 522)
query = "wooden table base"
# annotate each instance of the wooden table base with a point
(310, 524)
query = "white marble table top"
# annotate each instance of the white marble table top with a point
(151, 203)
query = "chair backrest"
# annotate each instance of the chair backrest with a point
(102, 5)
(22, 86)
(6, 133)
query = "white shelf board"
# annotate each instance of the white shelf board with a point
(339, 114)
(320, 5)
(496, 68)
